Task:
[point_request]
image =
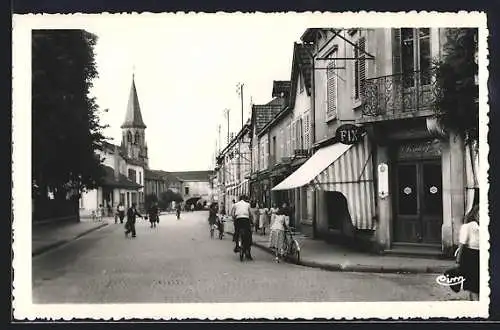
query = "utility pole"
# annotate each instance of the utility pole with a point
(240, 92)
(219, 139)
(226, 112)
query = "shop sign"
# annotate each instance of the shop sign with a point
(349, 134)
(417, 150)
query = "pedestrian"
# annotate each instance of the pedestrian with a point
(272, 212)
(285, 210)
(192, 207)
(178, 210)
(263, 219)
(153, 215)
(277, 236)
(467, 255)
(121, 212)
(212, 215)
(254, 210)
(130, 224)
(100, 212)
(242, 222)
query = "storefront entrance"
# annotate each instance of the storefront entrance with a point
(418, 202)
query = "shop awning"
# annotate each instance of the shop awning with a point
(352, 175)
(313, 166)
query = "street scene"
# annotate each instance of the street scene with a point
(307, 165)
(179, 262)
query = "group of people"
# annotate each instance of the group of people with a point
(132, 214)
(248, 214)
(264, 216)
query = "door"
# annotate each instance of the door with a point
(418, 202)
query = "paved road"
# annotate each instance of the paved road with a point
(178, 262)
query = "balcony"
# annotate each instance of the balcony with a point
(398, 96)
(300, 153)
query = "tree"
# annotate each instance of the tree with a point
(65, 122)
(150, 199)
(457, 107)
(168, 197)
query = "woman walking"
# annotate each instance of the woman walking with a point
(468, 253)
(277, 237)
(263, 219)
(254, 214)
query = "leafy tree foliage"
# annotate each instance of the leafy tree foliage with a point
(150, 199)
(457, 106)
(168, 197)
(65, 122)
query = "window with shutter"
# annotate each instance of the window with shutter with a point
(331, 109)
(288, 141)
(281, 144)
(307, 124)
(298, 134)
(359, 68)
(292, 137)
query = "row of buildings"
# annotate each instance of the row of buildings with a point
(128, 178)
(351, 142)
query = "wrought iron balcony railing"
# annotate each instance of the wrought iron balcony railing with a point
(300, 153)
(399, 94)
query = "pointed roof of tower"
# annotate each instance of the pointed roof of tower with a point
(133, 117)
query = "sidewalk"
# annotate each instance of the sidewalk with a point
(319, 254)
(48, 237)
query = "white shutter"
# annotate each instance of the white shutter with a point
(293, 137)
(362, 66)
(331, 111)
(281, 139)
(307, 123)
(288, 153)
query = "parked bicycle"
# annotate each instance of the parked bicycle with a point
(220, 227)
(291, 248)
(212, 230)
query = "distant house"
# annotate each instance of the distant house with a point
(196, 185)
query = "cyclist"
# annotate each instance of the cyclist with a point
(212, 216)
(242, 225)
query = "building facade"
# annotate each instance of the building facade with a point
(382, 170)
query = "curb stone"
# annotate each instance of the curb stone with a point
(363, 268)
(59, 243)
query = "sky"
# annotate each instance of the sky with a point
(186, 72)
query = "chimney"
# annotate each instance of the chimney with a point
(117, 164)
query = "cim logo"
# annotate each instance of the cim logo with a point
(446, 280)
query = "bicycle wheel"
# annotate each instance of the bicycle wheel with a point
(295, 249)
(242, 249)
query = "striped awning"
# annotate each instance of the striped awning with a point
(320, 160)
(352, 175)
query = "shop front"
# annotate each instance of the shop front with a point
(334, 190)
(426, 178)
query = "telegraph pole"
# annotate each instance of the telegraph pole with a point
(226, 112)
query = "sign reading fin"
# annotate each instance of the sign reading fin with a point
(349, 134)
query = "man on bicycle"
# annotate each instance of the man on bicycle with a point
(242, 225)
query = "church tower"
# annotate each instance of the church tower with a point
(133, 130)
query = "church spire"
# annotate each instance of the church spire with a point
(133, 117)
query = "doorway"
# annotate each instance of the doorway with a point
(418, 205)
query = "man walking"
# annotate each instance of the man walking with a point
(242, 226)
(121, 212)
(153, 215)
(130, 224)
